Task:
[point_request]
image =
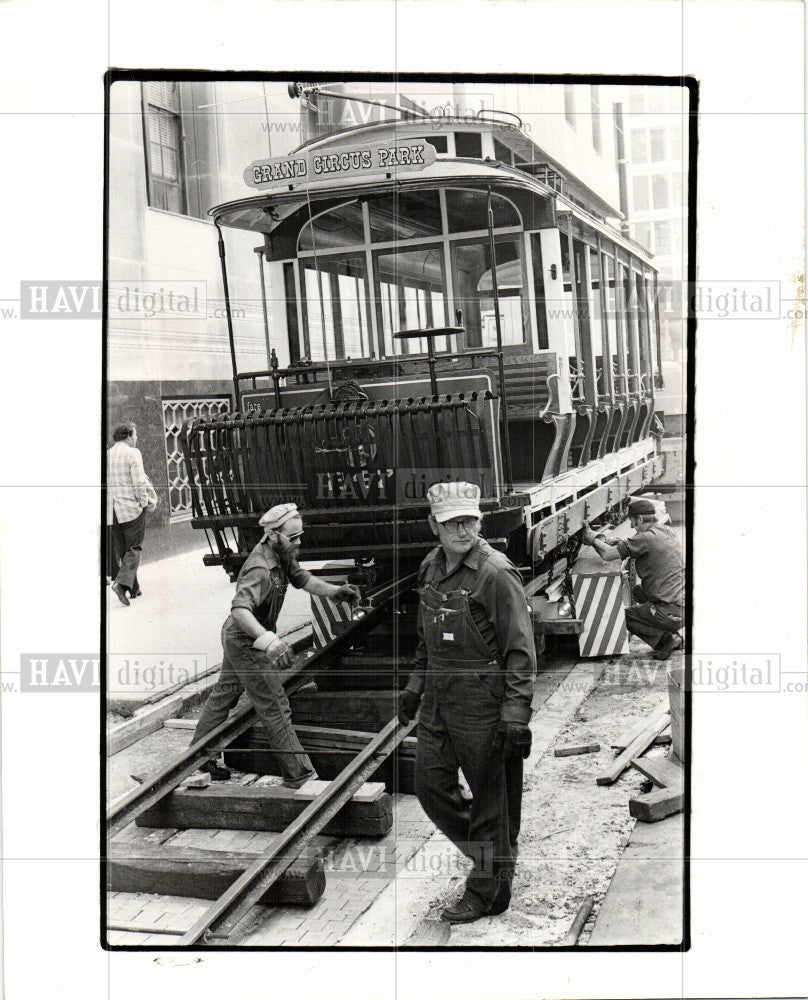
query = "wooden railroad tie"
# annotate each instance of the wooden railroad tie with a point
(228, 806)
(667, 798)
(203, 874)
(368, 710)
(329, 750)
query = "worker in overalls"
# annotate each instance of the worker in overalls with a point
(254, 656)
(658, 611)
(473, 679)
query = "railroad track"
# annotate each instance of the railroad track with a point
(219, 923)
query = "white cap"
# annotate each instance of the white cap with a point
(448, 500)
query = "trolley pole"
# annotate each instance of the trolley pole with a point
(260, 254)
(236, 390)
(506, 444)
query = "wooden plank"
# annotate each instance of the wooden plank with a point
(664, 772)
(571, 937)
(638, 746)
(180, 723)
(574, 751)
(663, 740)
(203, 874)
(150, 720)
(228, 806)
(658, 804)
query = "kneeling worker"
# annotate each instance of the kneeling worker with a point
(658, 612)
(474, 668)
(254, 655)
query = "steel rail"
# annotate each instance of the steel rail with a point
(230, 909)
(123, 812)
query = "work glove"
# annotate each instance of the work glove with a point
(515, 738)
(279, 653)
(408, 702)
(348, 592)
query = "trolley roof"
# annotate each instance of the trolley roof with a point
(303, 176)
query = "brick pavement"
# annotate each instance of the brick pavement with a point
(357, 872)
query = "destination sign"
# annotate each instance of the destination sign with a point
(311, 165)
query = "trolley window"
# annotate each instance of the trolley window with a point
(339, 227)
(412, 296)
(335, 309)
(473, 278)
(410, 215)
(611, 318)
(467, 211)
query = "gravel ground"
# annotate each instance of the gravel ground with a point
(573, 830)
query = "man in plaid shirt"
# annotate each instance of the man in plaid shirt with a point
(129, 496)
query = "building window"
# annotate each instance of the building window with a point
(640, 186)
(656, 100)
(676, 188)
(181, 149)
(658, 145)
(636, 100)
(594, 94)
(662, 238)
(569, 104)
(163, 134)
(659, 186)
(642, 234)
(175, 413)
(676, 141)
(639, 145)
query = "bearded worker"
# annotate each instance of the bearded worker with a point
(254, 656)
(473, 679)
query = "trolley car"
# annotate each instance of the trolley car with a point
(457, 308)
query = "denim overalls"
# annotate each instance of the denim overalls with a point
(458, 725)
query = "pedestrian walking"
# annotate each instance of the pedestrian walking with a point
(129, 495)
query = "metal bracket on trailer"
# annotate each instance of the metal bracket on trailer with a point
(547, 534)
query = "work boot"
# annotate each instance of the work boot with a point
(120, 593)
(467, 909)
(667, 644)
(217, 771)
(299, 782)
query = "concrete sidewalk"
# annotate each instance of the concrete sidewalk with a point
(171, 633)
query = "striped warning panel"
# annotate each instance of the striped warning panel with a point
(329, 618)
(600, 604)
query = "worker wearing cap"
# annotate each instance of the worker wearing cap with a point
(254, 655)
(473, 678)
(658, 612)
